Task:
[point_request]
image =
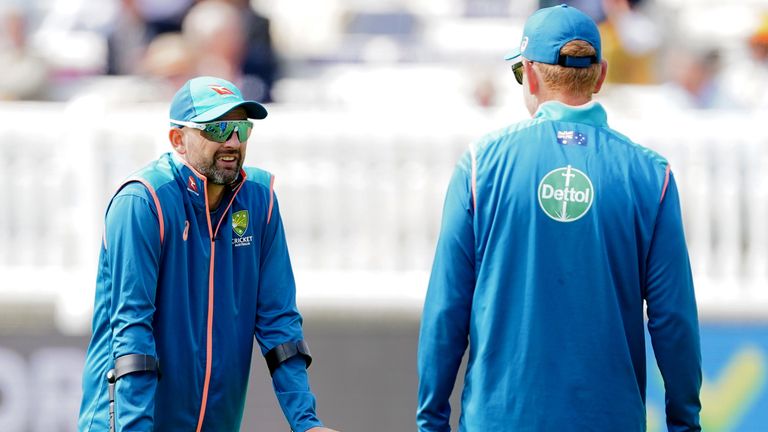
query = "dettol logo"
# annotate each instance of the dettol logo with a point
(566, 194)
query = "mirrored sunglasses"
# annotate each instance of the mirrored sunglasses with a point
(517, 69)
(219, 131)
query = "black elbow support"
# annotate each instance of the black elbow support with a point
(124, 365)
(281, 353)
(132, 363)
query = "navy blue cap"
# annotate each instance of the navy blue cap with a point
(205, 98)
(549, 29)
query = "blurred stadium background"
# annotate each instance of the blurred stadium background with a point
(371, 103)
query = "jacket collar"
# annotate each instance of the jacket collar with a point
(591, 113)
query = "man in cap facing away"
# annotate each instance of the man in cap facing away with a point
(556, 231)
(193, 265)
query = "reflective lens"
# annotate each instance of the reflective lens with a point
(517, 69)
(220, 131)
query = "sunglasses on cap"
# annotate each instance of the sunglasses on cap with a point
(517, 69)
(219, 131)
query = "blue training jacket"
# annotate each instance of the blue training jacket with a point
(192, 288)
(555, 232)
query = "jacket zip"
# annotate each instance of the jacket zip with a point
(209, 327)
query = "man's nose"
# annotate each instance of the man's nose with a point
(233, 140)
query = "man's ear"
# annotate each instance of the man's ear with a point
(176, 136)
(603, 74)
(532, 80)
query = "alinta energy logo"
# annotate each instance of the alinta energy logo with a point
(239, 226)
(566, 194)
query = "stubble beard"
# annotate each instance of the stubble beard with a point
(220, 176)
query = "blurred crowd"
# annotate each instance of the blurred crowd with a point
(176, 39)
(151, 47)
(157, 44)
(643, 48)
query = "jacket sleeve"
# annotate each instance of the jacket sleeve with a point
(672, 316)
(278, 321)
(445, 320)
(132, 241)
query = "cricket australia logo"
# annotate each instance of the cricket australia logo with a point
(566, 194)
(239, 225)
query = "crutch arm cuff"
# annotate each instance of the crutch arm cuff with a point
(281, 353)
(132, 363)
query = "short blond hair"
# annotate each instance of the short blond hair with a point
(574, 81)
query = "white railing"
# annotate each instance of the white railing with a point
(361, 193)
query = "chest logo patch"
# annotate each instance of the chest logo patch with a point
(566, 194)
(192, 185)
(240, 222)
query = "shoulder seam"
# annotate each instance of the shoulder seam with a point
(504, 132)
(133, 195)
(155, 198)
(666, 183)
(271, 197)
(473, 156)
(647, 152)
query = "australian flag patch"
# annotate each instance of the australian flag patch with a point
(571, 137)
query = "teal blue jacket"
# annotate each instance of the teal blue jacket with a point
(192, 288)
(556, 231)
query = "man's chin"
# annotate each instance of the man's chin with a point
(223, 176)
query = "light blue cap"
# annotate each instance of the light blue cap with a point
(205, 98)
(548, 29)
